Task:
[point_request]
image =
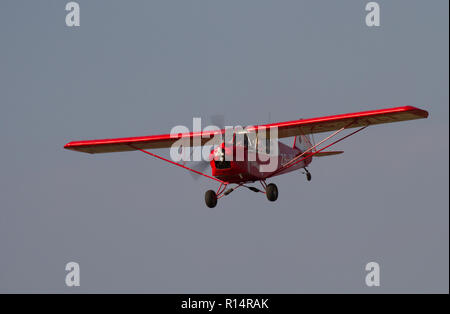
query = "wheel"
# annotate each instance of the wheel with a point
(272, 192)
(308, 176)
(211, 199)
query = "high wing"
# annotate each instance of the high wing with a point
(142, 142)
(347, 121)
(285, 129)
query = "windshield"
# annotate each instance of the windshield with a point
(245, 139)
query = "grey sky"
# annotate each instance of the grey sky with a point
(135, 224)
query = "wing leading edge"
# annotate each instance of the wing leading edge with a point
(285, 129)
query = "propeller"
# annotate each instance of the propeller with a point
(217, 120)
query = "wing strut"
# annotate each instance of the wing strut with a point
(302, 156)
(179, 165)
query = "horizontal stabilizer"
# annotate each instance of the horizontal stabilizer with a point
(328, 153)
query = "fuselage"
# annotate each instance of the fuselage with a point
(256, 164)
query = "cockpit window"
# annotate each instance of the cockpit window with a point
(247, 140)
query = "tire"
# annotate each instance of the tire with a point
(210, 198)
(308, 176)
(272, 192)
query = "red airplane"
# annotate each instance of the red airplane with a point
(262, 159)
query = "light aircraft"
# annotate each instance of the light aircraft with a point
(258, 151)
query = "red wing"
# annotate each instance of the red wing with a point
(348, 120)
(285, 129)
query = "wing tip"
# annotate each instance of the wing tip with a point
(420, 112)
(75, 148)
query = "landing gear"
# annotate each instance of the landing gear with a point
(210, 198)
(308, 175)
(272, 192)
